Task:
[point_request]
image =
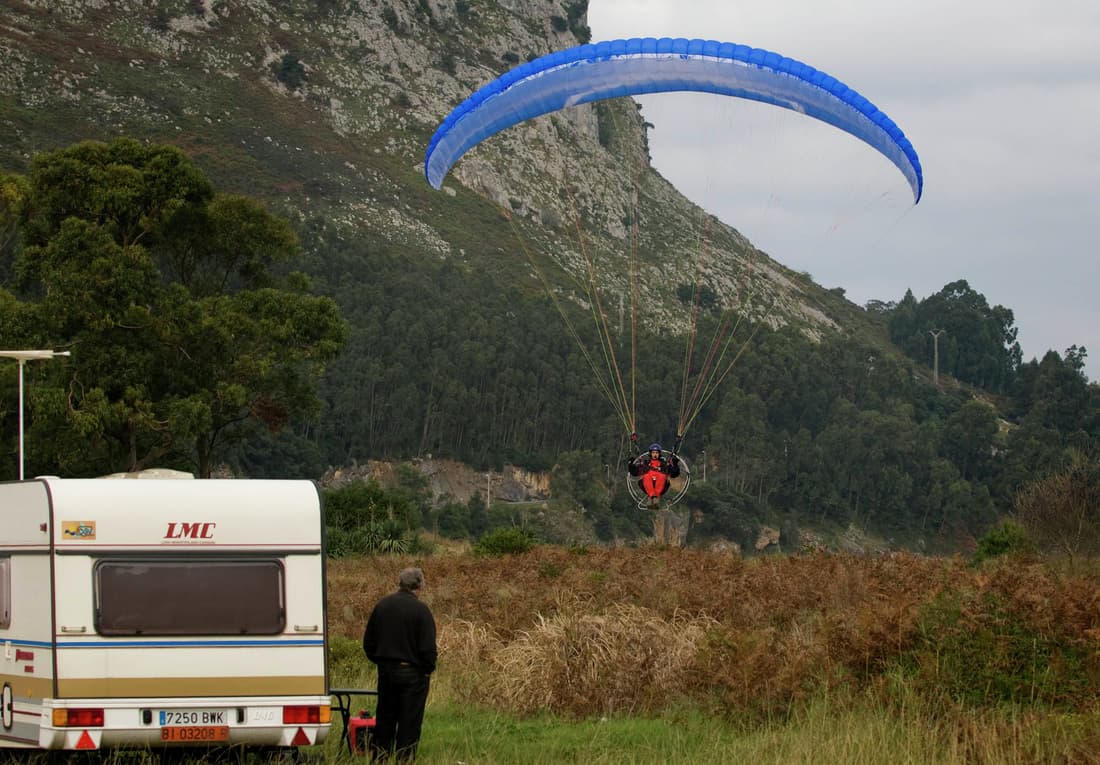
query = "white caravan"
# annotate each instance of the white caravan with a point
(156, 613)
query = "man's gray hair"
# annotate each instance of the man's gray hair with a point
(411, 579)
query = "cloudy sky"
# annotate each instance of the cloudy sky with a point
(1001, 100)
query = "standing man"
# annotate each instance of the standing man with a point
(400, 639)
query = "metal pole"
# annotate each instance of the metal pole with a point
(21, 357)
(20, 363)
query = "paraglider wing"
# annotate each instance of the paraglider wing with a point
(654, 65)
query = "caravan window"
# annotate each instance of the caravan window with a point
(5, 593)
(189, 597)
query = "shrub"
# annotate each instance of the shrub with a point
(346, 661)
(507, 541)
(387, 536)
(354, 505)
(576, 12)
(290, 71)
(159, 21)
(1062, 511)
(1005, 538)
(452, 520)
(448, 63)
(389, 15)
(374, 537)
(706, 296)
(981, 648)
(550, 569)
(605, 127)
(342, 542)
(366, 518)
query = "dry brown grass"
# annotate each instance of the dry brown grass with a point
(626, 659)
(606, 631)
(466, 643)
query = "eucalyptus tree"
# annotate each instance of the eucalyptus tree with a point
(186, 326)
(979, 343)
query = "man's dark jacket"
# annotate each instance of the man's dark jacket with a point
(401, 630)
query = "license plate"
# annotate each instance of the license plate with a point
(194, 733)
(191, 717)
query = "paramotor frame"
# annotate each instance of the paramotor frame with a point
(678, 487)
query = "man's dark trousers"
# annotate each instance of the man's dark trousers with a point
(402, 694)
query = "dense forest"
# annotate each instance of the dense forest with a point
(455, 362)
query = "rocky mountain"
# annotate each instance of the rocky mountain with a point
(324, 108)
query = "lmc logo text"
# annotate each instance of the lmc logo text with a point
(181, 530)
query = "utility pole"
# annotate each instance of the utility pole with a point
(936, 355)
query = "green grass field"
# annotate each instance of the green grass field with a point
(824, 731)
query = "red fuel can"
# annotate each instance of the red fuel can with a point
(359, 732)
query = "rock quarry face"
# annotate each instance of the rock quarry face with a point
(449, 479)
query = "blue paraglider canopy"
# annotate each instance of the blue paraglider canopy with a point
(638, 66)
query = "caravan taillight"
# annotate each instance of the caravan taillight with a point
(78, 718)
(307, 715)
